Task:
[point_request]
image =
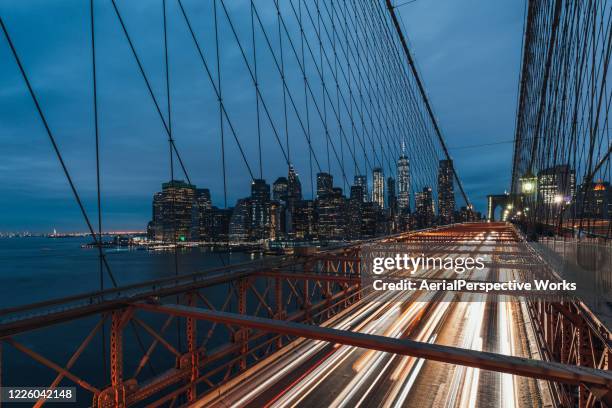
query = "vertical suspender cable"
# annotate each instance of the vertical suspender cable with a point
(98, 184)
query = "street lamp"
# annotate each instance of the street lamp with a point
(528, 183)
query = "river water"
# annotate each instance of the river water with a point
(37, 269)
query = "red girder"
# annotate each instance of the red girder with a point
(489, 361)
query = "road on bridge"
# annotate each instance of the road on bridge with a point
(314, 373)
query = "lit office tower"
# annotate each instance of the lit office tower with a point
(325, 183)
(279, 189)
(403, 183)
(240, 221)
(391, 198)
(294, 187)
(355, 204)
(378, 187)
(425, 212)
(362, 181)
(202, 215)
(446, 193)
(556, 185)
(172, 211)
(260, 203)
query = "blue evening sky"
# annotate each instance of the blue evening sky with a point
(468, 55)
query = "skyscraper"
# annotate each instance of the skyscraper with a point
(304, 220)
(378, 187)
(260, 208)
(424, 204)
(391, 198)
(173, 211)
(325, 183)
(279, 189)
(354, 210)
(446, 193)
(202, 215)
(403, 183)
(294, 187)
(240, 221)
(362, 181)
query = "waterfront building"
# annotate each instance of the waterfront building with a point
(378, 188)
(446, 193)
(220, 224)
(173, 211)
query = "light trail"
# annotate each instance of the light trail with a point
(347, 376)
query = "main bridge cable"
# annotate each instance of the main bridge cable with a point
(424, 96)
(57, 151)
(432, 124)
(416, 115)
(357, 45)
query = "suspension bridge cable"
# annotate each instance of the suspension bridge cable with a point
(424, 97)
(149, 88)
(56, 148)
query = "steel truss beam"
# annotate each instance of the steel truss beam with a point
(545, 370)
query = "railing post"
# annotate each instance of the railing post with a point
(243, 336)
(192, 350)
(278, 300)
(116, 358)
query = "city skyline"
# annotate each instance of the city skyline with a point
(279, 212)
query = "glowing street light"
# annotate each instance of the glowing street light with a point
(558, 199)
(528, 183)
